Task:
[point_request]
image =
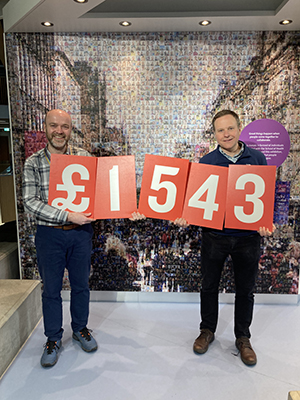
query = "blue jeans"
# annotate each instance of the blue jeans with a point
(58, 249)
(245, 253)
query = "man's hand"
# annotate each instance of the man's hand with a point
(180, 222)
(265, 232)
(136, 216)
(80, 218)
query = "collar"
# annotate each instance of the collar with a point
(48, 154)
(236, 156)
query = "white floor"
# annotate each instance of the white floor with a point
(145, 352)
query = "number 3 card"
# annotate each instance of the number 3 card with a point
(205, 198)
(250, 196)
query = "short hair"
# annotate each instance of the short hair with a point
(222, 114)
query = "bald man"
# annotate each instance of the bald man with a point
(63, 240)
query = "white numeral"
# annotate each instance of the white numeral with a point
(209, 206)
(258, 205)
(114, 188)
(171, 188)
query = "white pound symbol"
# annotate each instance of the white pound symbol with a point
(72, 189)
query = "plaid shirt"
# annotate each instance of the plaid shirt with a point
(36, 187)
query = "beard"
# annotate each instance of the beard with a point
(56, 146)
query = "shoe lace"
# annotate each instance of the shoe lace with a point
(51, 345)
(244, 343)
(205, 333)
(85, 333)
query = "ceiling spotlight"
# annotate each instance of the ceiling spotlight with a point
(125, 23)
(81, 1)
(286, 22)
(204, 23)
(47, 24)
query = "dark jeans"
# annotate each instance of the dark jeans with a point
(56, 250)
(245, 253)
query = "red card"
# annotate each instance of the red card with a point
(115, 195)
(163, 187)
(205, 203)
(72, 182)
(250, 196)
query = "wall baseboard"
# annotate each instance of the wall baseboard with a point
(160, 297)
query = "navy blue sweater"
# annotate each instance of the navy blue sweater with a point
(248, 157)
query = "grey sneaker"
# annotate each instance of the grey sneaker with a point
(50, 354)
(86, 340)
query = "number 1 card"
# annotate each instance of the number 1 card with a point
(115, 195)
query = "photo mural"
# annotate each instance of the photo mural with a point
(156, 93)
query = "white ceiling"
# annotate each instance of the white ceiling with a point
(149, 15)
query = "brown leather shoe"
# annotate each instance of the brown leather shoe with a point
(248, 355)
(203, 340)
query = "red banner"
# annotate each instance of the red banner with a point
(171, 187)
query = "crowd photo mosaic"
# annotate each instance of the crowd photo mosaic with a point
(156, 93)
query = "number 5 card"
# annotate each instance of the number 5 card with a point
(163, 187)
(205, 198)
(250, 197)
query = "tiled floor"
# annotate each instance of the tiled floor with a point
(145, 352)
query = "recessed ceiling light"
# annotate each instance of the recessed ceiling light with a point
(125, 23)
(286, 22)
(205, 22)
(81, 1)
(47, 24)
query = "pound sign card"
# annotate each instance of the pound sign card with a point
(163, 187)
(250, 197)
(205, 199)
(72, 183)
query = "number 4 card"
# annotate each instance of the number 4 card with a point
(204, 203)
(250, 197)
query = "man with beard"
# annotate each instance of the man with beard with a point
(63, 240)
